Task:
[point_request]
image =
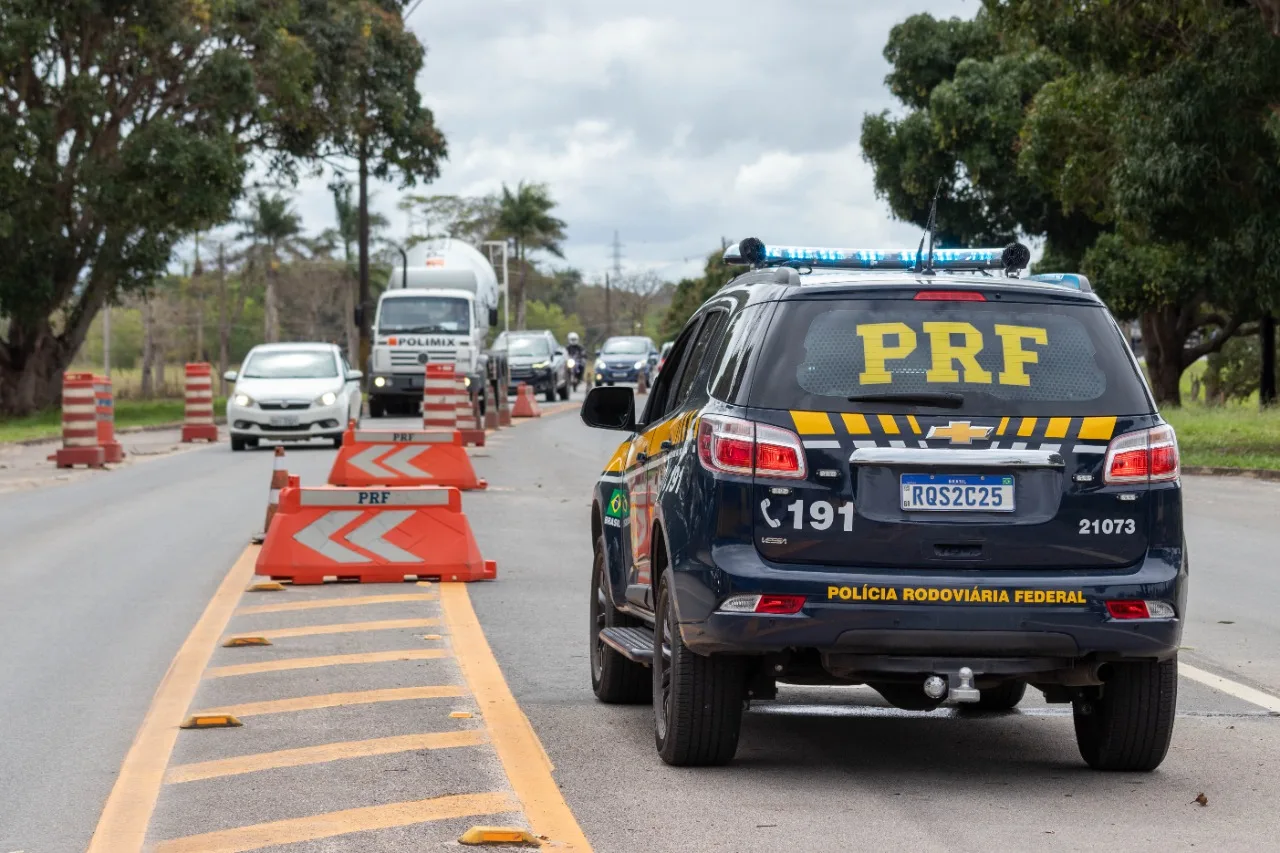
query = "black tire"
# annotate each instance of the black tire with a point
(1130, 726)
(376, 408)
(697, 701)
(615, 680)
(610, 384)
(337, 441)
(1003, 698)
(237, 444)
(564, 390)
(550, 394)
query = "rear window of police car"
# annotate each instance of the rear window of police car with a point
(1003, 358)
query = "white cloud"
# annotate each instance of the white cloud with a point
(676, 123)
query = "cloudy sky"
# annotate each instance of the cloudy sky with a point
(675, 122)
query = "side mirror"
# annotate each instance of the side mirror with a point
(230, 376)
(559, 352)
(653, 358)
(493, 316)
(598, 352)
(610, 408)
(353, 375)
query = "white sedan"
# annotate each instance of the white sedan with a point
(292, 392)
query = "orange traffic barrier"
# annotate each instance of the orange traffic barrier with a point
(105, 410)
(79, 424)
(468, 414)
(372, 536)
(439, 406)
(388, 458)
(526, 404)
(197, 423)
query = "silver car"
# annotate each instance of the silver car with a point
(292, 392)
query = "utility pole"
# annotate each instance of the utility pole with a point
(106, 339)
(608, 312)
(617, 256)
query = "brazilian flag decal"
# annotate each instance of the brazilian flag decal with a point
(618, 505)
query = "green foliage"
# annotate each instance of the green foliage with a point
(1139, 140)
(524, 216)
(541, 315)
(690, 293)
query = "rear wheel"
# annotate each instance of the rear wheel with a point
(697, 701)
(1130, 726)
(615, 680)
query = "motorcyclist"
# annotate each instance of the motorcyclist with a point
(575, 352)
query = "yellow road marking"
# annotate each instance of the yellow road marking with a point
(329, 825)
(334, 700)
(321, 754)
(526, 763)
(343, 628)
(353, 601)
(123, 824)
(327, 660)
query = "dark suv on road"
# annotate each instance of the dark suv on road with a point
(946, 483)
(536, 359)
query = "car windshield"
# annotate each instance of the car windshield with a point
(298, 364)
(625, 346)
(424, 314)
(528, 346)
(967, 358)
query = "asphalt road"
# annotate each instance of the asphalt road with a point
(102, 579)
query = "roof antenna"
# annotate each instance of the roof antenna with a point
(927, 268)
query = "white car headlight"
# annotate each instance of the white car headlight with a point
(640, 364)
(243, 400)
(328, 398)
(599, 364)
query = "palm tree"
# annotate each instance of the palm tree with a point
(271, 226)
(525, 217)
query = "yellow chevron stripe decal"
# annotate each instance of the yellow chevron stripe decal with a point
(1097, 428)
(812, 423)
(1027, 427)
(1057, 427)
(915, 427)
(1004, 425)
(856, 424)
(888, 424)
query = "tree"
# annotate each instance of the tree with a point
(125, 128)
(469, 218)
(690, 293)
(369, 111)
(272, 227)
(524, 216)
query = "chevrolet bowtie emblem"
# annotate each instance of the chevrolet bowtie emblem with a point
(960, 432)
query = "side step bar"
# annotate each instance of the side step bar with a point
(634, 644)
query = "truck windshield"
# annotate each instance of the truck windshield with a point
(424, 314)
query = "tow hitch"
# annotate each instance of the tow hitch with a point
(957, 687)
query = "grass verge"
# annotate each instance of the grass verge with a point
(1227, 436)
(129, 413)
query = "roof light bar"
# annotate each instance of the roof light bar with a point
(1075, 281)
(753, 252)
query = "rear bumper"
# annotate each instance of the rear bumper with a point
(1046, 615)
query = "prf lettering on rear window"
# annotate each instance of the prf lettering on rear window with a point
(373, 497)
(954, 347)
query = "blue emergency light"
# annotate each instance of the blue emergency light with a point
(1064, 279)
(754, 252)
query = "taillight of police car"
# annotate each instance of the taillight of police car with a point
(736, 446)
(1146, 456)
(1129, 608)
(771, 605)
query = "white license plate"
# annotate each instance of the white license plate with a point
(957, 492)
(283, 420)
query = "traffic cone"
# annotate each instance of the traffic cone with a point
(526, 405)
(279, 479)
(642, 383)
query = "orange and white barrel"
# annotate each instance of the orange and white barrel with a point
(79, 423)
(439, 398)
(105, 410)
(197, 423)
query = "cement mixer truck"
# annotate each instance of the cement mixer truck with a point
(439, 307)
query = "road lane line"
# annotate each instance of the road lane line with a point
(326, 660)
(335, 700)
(122, 827)
(525, 762)
(353, 601)
(1231, 688)
(342, 628)
(333, 824)
(321, 754)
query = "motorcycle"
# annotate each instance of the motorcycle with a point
(577, 365)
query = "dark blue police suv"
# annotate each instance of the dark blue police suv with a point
(939, 479)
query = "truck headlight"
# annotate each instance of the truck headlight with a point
(243, 400)
(379, 381)
(328, 398)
